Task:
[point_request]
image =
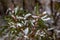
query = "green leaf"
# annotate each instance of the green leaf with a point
(41, 23)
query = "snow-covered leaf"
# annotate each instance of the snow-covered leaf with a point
(21, 8)
(26, 31)
(12, 26)
(27, 15)
(50, 28)
(19, 25)
(35, 16)
(26, 36)
(44, 12)
(19, 17)
(16, 9)
(42, 33)
(46, 19)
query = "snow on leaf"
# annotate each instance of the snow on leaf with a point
(27, 15)
(16, 9)
(58, 13)
(35, 16)
(19, 25)
(26, 36)
(37, 33)
(42, 33)
(33, 21)
(19, 17)
(21, 8)
(10, 23)
(25, 22)
(50, 28)
(44, 12)
(12, 26)
(46, 19)
(26, 31)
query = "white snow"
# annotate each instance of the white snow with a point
(26, 31)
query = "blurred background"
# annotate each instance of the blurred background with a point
(29, 19)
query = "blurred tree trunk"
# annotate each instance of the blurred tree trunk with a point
(18, 2)
(1, 9)
(29, 5)
(5, 4)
